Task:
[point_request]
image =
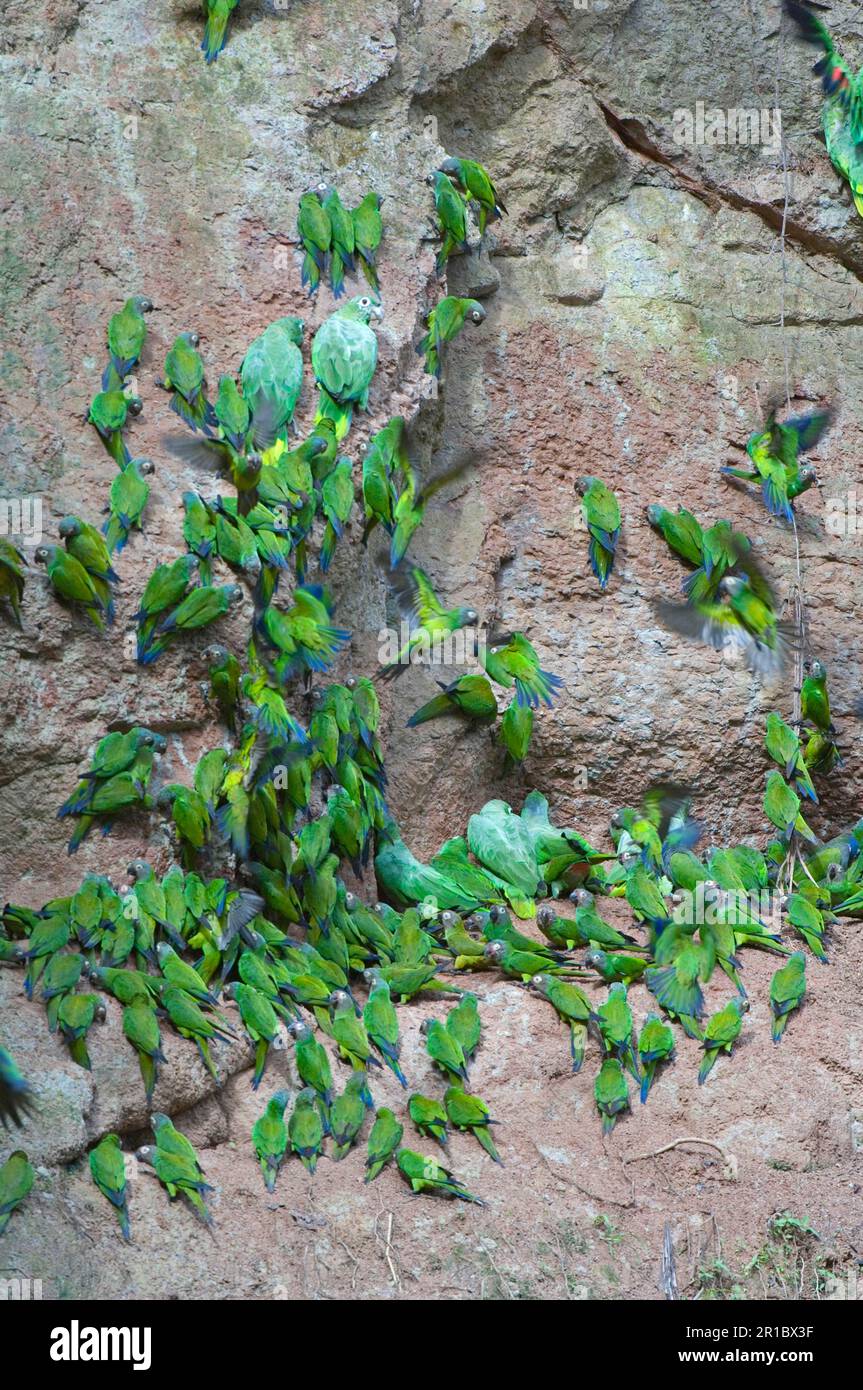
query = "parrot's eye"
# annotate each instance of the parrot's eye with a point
(194, 339)
(135, 406)
(477, 317)
(365, 301)
(146, 466)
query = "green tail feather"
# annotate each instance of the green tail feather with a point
(487, 1142)
(440, 704)
(330, 409)
(578, 1042)
(707, 1063)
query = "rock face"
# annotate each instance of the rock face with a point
(635, 294)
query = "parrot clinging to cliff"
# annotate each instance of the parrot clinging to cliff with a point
(601, 512)
(218, 13)
(444, 323)
(344, 357)
(474, 183)
(127, 332)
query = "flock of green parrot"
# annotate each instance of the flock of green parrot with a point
(298, 956)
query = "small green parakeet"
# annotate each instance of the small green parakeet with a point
(108, 1171)
(270, 1138)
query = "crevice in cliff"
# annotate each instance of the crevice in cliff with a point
(635, 138)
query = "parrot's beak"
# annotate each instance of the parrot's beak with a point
(378, 310)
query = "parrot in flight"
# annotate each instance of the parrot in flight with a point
(742, 616)
(444, 323)
(842, 115)
(430, 622)
(16, 1096)
(774, 452)
(601, 512)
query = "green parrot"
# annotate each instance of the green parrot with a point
(469, 1113)
(344, 357)
(259, 1020)
(382, 1026)
(12, 576)
(474, 183)
(126, 502)
(774, 452)
(430, 622)
(842, 92)
(452, 218)
(272, 378)
(601, 512)
(218, 12)
(201, 607)
(614, 1020)
(384, 1138)
(337, 501)
(184, 377)
(463, 1025)
(171, 1141)
(368, 230)
(304, 635)
(16, 1095)
(347, 1114)
(108, 413)
(821, 754)
(270, 1138)
(305, 1128)
(509, 660)
(742, 616)
(190, 816)
(783, 745)
(787, 989)
(571, 1007)
(721, 1032)
(313, 1063)
(350, 1035)
(190, 1022)
(16, 1180)
(673, 981)
(180, 1176)
(199, 533)
(384, 458)
(613, 966)
(522, 964)
(141, 1027)
(516, 730)
(469, 695)
(75, 1017)
(782, 808)
(404, 879)
(407, 980)
(73, 584)
(408, 507)
(316, 234)
(164, 589)
(808, 920)
(430, 1118)
(611, 1093)
(341, 239)
(427, 1175)
(814, 699)
(680, 530)
(88, 547)
(655, 1045)
(443, 324)
(444, 1049)
(127, 332)
(224, 671)
(108, 1171)
(585, 929)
